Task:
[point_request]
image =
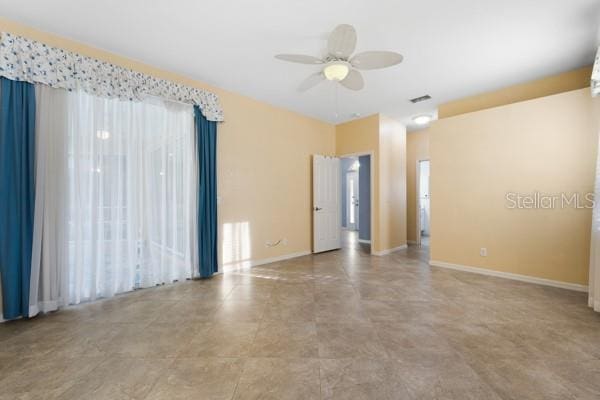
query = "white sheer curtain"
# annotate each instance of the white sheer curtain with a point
(594, 280)
(49, 287)
(119, 201)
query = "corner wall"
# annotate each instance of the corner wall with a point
(392, 184)
(385, 139)
(417, 148)
(362, 136)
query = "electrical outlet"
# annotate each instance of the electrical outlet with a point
(483, 252)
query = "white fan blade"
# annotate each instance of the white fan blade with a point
(299, 58)
(342, 41)
(311, 81)
(375, 59)
(354, 80)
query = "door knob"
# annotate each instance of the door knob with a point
(318, 208)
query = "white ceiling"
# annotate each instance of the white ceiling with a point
(452, 49)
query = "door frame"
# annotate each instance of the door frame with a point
(418, 210)
(371, 189)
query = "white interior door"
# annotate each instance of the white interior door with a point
(352, 200)
(326, 203)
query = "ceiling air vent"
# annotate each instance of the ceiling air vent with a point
(420, 99)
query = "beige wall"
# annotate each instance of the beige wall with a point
(362, 136)
(264, 172)
(547, 144)
(358, 136)
(417, 148)
(264, 162)
(560, 83)
(385, 138)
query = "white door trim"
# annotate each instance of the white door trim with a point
(371, 189)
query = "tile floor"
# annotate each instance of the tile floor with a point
(339, 325)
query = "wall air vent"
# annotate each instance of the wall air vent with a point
(420, 99)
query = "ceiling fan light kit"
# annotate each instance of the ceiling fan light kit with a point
(336, 70)
(339, 66)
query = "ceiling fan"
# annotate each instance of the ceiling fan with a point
(338, 65)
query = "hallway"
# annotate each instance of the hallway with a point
(350, 243)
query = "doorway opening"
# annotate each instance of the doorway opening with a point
(355, 207)
(423, 203)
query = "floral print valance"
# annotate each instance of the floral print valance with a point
(31, 61)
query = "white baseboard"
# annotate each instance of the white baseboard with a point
(389, 251)
(364, 241)
(280, 258)
(255, 263)
(510, 275)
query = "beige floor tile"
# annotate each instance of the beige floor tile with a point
(581, 378)
(449, 379)
(523, 379)
(349, 340)
(398, 311)
(200, 310)
(250, 292)
(44, 378)
(286, 339)
(222, 339)
(91, 339)
(349, 311)
(157, 340)
(141, 311)
(362, 379)
(279, 379)
(480, 343)
(241, 311)
(198, 378)
(37, 338)
(409, 342)
(118, 379)
(292, 311)
(205, 290)
(285, 293)
(341, 324)
(545, 341)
